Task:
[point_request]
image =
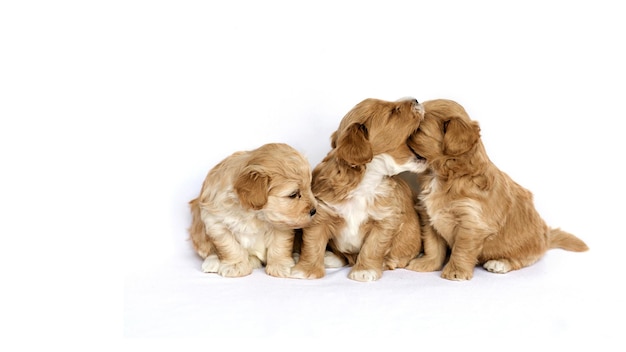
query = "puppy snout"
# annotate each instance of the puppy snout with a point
(419, 108)
(312, 211)
(416, 104)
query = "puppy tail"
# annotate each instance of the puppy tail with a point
(565, 240)
(197, 232)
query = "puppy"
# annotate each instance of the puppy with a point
(248, 208)
(475, 209)
(365, 215)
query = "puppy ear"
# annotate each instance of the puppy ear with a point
(333, 140)
(251, 187)
(353, 145)
(459, 136)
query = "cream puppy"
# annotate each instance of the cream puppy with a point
(248, 208)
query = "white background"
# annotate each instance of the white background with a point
(113, 112)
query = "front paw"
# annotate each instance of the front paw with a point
(365, 275)
(278, 270)
(281, 269)
(307, 272)
(452, 272)
(235, 270)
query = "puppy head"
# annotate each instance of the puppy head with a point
(375, 127)
(446, 134)
(277, 182)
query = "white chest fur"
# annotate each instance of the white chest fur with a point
(361, 204)
(225, 217)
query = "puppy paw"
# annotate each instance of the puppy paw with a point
(306, 272)
(255, 262)
(392, 263)
(424, 264)
(235, 270)
(452, 273)
(331, 260)
(278, 270)
(364, 275)
(211, 264)
(497, 266)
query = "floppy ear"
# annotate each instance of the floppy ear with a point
(251, 187)
(459, 136)
(353, 145)
(333, 140)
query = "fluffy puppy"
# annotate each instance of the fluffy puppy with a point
(365, 215)
(248, 208)
(475, 209)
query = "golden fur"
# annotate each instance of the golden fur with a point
(475, 209)
(365, 215)
(248, 208)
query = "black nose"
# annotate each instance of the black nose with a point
(416, 102)
(312, 211)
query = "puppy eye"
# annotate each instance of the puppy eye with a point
(295, 194)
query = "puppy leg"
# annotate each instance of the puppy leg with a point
(311, 262)
(464, 257)
(405, 246)
(234, 258)
(279, 254)
(435, 252)
(369, 263)
(407, 241)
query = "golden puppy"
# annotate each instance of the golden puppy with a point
(248, 208)
(474, 208)
(364, 214)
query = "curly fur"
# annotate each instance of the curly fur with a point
(477, 212)
(366, 215)
(249, 206)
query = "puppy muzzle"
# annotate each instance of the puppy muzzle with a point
(419, 108)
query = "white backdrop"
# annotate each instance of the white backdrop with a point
(113, 112)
